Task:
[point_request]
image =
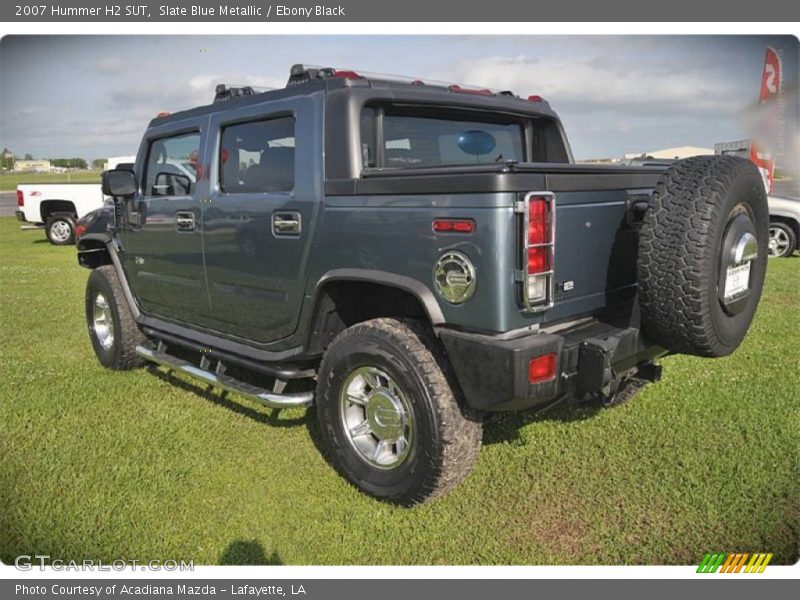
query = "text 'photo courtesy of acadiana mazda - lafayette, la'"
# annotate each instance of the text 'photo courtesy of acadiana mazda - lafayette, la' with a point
(410, 257)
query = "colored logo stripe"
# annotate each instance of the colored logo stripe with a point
(734, 562)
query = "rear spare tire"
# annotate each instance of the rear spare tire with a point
(702, 255)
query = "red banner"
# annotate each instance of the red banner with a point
(770, 88)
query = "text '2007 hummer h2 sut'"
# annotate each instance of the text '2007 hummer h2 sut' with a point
(410, 257)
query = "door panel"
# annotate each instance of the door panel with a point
(258, 221)
(163, 251)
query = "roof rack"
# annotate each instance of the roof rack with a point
(300, 74)
(223, 92)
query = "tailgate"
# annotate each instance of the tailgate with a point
(596, 248)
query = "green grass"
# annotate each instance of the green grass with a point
(104, 465)
(10, 181)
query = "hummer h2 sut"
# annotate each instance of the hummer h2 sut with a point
(409, 257)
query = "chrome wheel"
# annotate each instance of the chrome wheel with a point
(60, 231)
(103, 322)
(778, 242)
(377, 417)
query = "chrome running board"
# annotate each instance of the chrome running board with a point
(218, 379)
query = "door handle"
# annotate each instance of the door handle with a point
(286, 223)
(184, 220)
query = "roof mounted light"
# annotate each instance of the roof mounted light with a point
(346, 75)
(536, 98)
(474, 91)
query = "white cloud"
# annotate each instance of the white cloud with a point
(598, 84)
(110, 64)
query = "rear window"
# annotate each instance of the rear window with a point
(418, 136)
(414, 140)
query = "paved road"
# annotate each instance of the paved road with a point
(8, 204)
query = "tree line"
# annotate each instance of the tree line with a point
(8, 158)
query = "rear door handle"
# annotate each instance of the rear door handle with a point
(286, 223)
(184, 220)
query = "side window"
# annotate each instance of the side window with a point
(172, 165)
(257, 156)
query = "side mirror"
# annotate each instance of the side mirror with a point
(119, 182)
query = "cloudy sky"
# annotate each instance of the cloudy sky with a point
(92, 96)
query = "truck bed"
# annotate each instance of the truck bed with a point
(596, 242)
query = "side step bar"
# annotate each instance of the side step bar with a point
(229, 384)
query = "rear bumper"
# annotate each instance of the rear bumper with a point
(493, 371)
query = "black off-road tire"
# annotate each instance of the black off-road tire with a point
(121, 353)
(681, 254)
(64, 222)
(447, 433)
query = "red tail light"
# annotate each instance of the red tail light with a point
(538, 212)
(538, 260)
(80, 229)
(538, 250)
(542, 368)
(20, 198)
(453, 225)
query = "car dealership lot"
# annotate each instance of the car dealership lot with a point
(127, 465)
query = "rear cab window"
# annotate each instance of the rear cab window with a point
(172, 165)
(258, 156)
(402, 137)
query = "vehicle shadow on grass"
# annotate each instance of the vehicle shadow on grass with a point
(242, 552)
(220, 398)
(499, 428)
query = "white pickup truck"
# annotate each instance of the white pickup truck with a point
(58, 206)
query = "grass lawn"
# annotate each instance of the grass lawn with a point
(10, 181)
(104, 465)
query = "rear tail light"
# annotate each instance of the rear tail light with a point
(80, 230)
(542, 368)
(537, 261)
(20, 198)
